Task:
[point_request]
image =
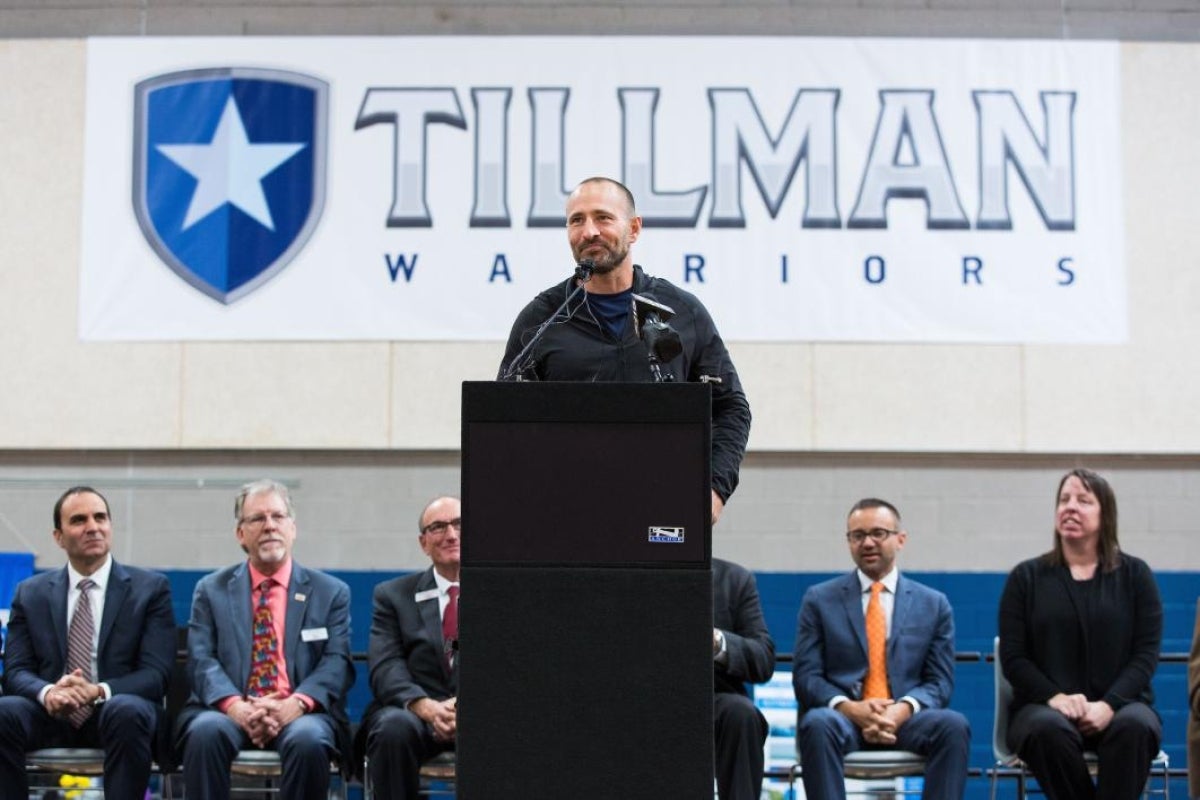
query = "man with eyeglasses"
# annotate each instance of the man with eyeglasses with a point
(413, 656)
(874, 666)
(268, 659)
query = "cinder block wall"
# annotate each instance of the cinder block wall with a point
(358, 510)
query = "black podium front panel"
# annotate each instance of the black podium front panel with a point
(586, 493)
(586, 618)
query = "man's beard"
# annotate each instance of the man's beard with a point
(608, 262)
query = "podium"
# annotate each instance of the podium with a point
(585, 660)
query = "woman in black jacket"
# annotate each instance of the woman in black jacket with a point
(1080, 630)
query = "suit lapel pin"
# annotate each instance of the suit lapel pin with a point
(299, 598)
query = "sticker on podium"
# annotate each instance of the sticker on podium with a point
(660, 533)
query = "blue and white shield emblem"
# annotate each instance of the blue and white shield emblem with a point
(229, 172)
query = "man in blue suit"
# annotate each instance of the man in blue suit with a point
(71, 682)
(890, 696)
(268, 659)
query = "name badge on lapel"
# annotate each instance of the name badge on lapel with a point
(428, 594)
(314, 634)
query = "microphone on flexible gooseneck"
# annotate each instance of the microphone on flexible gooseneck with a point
(524, 360)
(584, 270)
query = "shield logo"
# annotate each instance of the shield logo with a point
(229, 172)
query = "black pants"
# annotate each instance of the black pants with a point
(398, 742)
(740, 732)
(1053, 748)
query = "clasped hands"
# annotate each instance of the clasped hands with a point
(878, 719)
(262, 718)
(69, 693)
(442, 716)
(1090, 718)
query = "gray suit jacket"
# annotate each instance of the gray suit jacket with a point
(220, 636)
(831, 644)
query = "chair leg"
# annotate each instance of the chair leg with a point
(1163, 772)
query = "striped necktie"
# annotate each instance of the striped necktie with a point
(79, 646)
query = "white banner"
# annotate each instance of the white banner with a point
(413, 188)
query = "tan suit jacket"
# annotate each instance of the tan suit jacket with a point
(1193, 736)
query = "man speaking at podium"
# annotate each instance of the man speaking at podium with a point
(595, 336)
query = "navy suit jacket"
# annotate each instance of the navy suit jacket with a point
(316, 640)
(831, 644)
(136, 645)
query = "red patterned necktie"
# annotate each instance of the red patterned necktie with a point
(450, 627)
(79, 646)
(264, 665)
(876, 684)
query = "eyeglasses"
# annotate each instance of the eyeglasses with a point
(260, 520)
(877, 534)
(441, 526)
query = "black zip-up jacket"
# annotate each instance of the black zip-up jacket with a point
(579, 349)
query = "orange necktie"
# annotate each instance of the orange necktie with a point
(876, 684)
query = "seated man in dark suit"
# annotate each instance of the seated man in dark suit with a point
(874, 666)
(743, 652)
(90, 649)
(268, 659)
(414, 669)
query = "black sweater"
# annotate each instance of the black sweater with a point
(1052, 640)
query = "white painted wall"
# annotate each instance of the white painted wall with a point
(60, 393)
(968, 441)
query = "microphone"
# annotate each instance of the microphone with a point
(523, 361)
(662, 341)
